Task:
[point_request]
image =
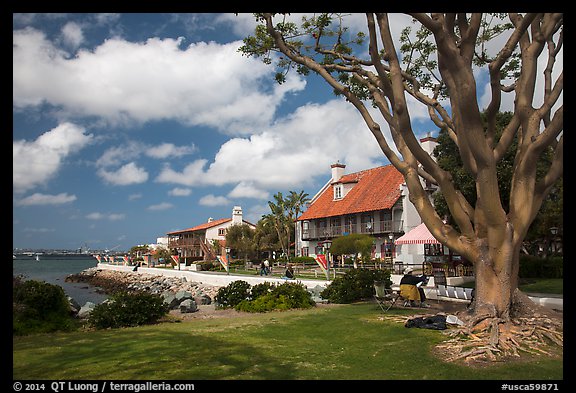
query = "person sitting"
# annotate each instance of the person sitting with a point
(410, 290)
(289, 273)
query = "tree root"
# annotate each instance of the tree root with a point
(494, 339)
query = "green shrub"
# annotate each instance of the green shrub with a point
(125, 309)
(356, 284)
(206, 266)
(263, 297)
(260, 290)
(537, 267)
(281, 297)
(39, 307)
(304, 260)
(297, 296)
(232, 294)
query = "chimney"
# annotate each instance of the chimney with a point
(428, 143)
(237, 215)
(337, 171)
(210, 219)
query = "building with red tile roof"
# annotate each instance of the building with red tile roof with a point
(372, 201)
(365, 191)
(195, 243)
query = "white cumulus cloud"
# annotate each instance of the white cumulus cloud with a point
(121, 81)
(46, 199)
(287, 154)
(36, 162)
(213, 200)
(160, 206)
(125, 175)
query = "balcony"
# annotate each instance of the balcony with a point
(370, 228)
(185, 242)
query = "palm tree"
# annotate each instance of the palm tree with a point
(265, 235)
(279, 219)
(295, 203)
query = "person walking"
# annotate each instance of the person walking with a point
(263, 269)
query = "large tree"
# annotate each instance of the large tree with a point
(435, 67)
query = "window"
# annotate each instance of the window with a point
(367, 223)
(349, 224)
(335, 226)
(305, 251)
(221, 231)
(337, 191)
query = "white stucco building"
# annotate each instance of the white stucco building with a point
(373, 201)
(195, 243)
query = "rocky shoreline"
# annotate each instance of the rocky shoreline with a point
(179, 293)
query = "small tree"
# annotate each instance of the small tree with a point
(241, 238)
(353, 244)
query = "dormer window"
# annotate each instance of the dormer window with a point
(338, 192)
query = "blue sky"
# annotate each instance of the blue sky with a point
(128, 126)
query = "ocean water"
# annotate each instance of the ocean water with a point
(54, 270)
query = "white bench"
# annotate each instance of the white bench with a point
(454, 292)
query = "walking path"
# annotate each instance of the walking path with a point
(222, 279)
(212, 278)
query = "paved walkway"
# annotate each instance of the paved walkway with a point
(211, 278)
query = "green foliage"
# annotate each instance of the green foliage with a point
(263, 297)
(125, 309)
(356, 284)
(39, 307)
(304, 260)
(261, 289)
(240, 238)
(448, 157)
(537, 267)
(355, 243)
(281, 297)
(232, 294)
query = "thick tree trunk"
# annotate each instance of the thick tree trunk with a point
(493, 293)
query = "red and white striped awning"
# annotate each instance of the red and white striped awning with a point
(418, 235)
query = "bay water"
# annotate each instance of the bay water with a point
(54, 269)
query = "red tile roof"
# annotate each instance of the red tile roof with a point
(375, 189)
(200, 227)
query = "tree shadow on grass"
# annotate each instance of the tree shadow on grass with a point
(146, 355)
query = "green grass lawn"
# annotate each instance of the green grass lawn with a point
(535, 285)
(542, 285)
(324, 343)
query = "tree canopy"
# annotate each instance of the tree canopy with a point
(439, 63)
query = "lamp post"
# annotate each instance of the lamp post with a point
(227, 260)
(327, 245)
(391, 237)
(554, 232)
